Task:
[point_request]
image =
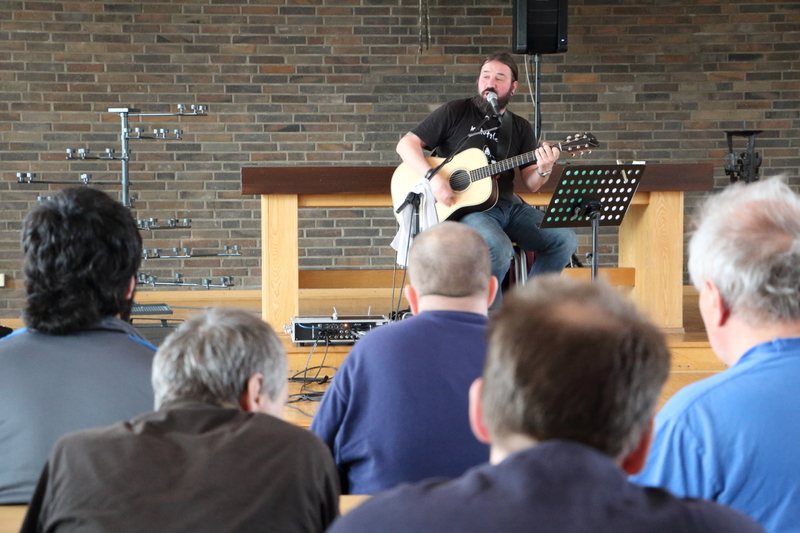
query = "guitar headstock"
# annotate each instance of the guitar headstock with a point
(580, 142)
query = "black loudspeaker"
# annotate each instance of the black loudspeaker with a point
(540, 27)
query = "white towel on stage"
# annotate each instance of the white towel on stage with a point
(427, 218)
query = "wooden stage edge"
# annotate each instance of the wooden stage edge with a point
(321, 291)
(650, 236)
(692, 357)
(11, 516)
(351, 292)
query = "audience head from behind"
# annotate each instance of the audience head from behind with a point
(215, 455)
(570, 361)
(733, 437)
(566, 400)
(79, 363)
(81, 253)
(225, 356)
(449, 268)
(744, 259)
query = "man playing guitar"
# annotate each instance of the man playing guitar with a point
(503, 136)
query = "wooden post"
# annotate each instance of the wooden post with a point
(279, 259)
(651, 241)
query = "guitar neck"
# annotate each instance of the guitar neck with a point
(502, 166)
(578, 143)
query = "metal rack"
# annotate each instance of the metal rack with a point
(123, 156)
(158, 134)
(143, 278)
(187, 253)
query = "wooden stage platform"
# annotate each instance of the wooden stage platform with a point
(692, 356)
(650, 246)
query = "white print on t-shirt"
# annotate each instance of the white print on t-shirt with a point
(488, 134)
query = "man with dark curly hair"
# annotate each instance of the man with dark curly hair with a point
(78, 364)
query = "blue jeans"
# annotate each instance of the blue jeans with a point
(519, 223)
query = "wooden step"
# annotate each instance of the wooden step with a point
(386, 278)
(354, 293)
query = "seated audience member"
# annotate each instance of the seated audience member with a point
(216, 456)
(566, 400)
(735, 437)
(396, 410)
(78, 364)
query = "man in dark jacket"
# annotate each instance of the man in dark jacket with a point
(215, 457)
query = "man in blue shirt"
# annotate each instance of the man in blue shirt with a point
(735, 437)
(396, 410)
(572, 376)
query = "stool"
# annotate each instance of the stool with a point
(520, 266)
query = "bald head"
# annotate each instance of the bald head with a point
(449, 259)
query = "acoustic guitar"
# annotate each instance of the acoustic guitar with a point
(468, 173)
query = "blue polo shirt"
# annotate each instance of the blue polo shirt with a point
(735, 438)
(397, 409)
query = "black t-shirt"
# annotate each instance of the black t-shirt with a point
(446, 127)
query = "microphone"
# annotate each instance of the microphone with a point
(492, 99)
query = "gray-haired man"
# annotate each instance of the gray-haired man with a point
(214, 457)
(735, 437)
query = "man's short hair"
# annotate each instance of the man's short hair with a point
(81, 250)
(506, 59)
(747, 242)
(211, 357)
(572, 360)
(449, 259)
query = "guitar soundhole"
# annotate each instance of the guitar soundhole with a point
(459, 180)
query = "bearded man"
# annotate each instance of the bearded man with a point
(502, 135)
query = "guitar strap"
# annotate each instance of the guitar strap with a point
(504, 136)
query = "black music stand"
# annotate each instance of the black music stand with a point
(593, 195)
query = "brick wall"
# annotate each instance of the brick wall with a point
(339, 81)
(346, 238)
